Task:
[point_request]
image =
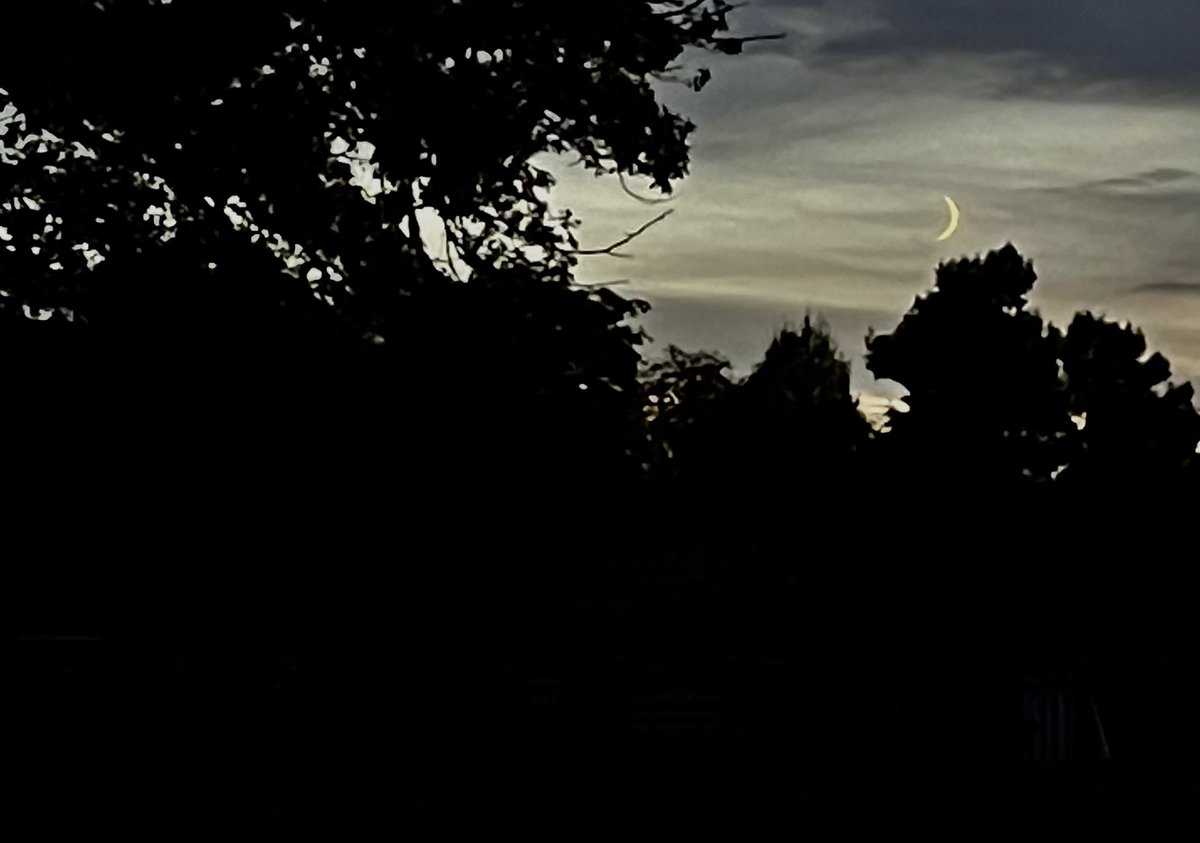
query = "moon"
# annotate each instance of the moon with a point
(950, 229)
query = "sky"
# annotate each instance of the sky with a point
(1067, 127)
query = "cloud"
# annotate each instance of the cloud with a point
(1167, 174)
(1186, 288)
(1162, 180)
(1070, 43)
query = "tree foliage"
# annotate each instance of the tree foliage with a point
(1138, 430)
(972, 341)
(793, 418)
(290, 271)
(1025, 442)
(302, 109)
(985, 397)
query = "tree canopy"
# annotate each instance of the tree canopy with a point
(981, 372)
(288, 273)
(287, 276)
(207, 123)
(1090, 406)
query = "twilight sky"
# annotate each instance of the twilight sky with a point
(1069, 127)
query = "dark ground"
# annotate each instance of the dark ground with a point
(116, 741)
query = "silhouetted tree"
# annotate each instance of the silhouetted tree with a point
(987, 405)
(800, 413)
(229, 218)
(298, 366)
(796, 451)
(682, 392)
(132, 103)
(793, 420)
(1129, 487)
(757, 478)
(992, 393)
(1138, 430)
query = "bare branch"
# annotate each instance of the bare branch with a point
(611, 249)
(776, 36)
(594, 284)
(449, 249)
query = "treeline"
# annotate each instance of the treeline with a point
(507, 480)
(271, 455)
(245, 398)
(291, 543)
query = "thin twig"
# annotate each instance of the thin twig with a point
(449, 257)
(594, 284)
(746, 39)
(611, 249)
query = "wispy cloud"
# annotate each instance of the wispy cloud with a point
(1163, 181)
(1183, 288)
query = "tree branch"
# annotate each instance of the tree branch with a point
(591, 285)
(645, 200)
(611, 249)
(449, 249)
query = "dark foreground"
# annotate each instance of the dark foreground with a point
(118, 742)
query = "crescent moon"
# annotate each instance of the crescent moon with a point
(950, 229)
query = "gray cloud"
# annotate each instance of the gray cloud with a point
(1150, 179)
(1070, 42)
(1186, 288)
(1165, 181)
(1167, 174)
